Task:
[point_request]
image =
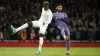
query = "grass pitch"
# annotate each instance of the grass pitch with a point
(48, 51)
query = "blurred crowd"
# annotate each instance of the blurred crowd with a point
(84, 19)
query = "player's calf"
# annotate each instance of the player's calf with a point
(67, 39)
(40, 44)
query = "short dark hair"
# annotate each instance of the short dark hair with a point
(45, 2)
(59, 5)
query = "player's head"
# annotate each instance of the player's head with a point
(46, 5)
(59, 8)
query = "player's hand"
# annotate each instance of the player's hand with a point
(60, 27)
(57, 17)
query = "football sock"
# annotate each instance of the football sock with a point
(22, 27)
(40, 43)
(68, 45)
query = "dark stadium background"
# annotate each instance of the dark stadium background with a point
(84, 19)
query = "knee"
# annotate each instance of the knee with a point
(30, 24)
(42, 35)
(67, 38)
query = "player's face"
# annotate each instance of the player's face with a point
(59, 8)
(46, 7)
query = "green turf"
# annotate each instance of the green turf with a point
(49, 52)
